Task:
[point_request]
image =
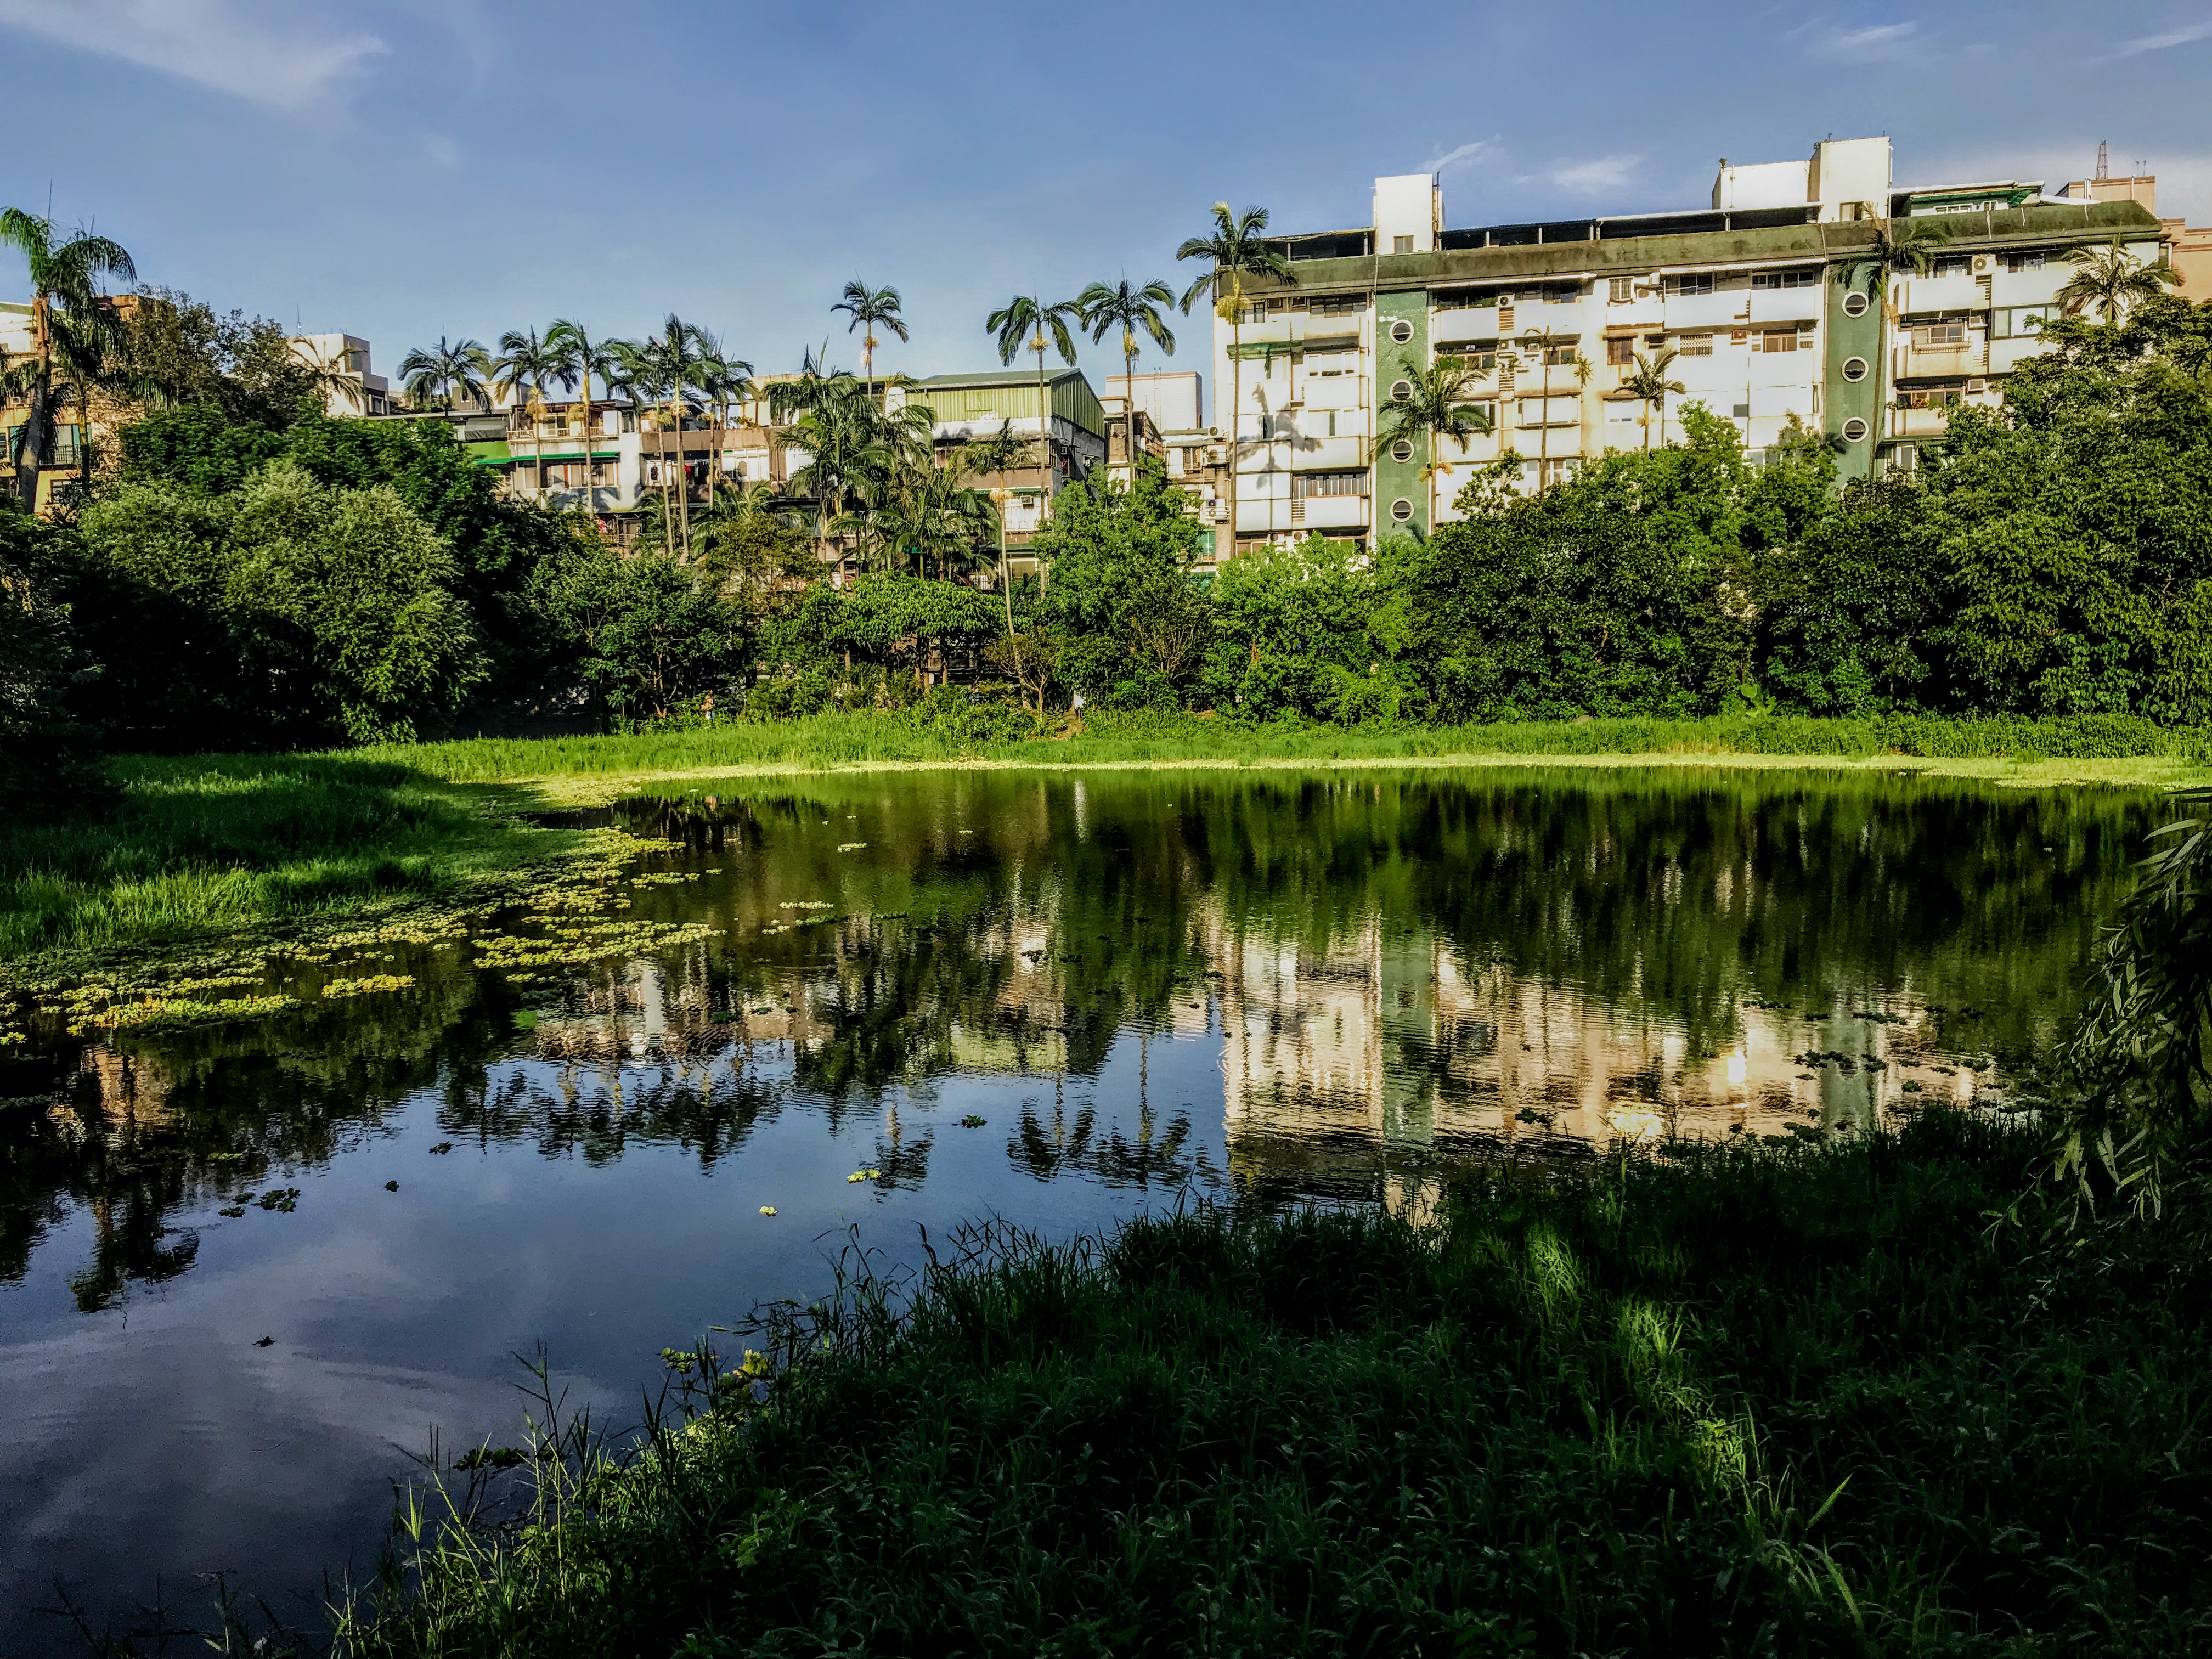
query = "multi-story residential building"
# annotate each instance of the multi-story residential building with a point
(1774, 299)
(1191, 450)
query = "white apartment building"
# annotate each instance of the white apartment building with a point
(1771, 298)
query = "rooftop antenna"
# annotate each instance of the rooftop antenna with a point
(2104, 159)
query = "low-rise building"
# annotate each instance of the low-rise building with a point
(1778, 306)
(341, 364)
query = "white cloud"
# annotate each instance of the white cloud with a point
(2180, 37)
(1463, 155)
(1589, 178)
(442, 151)
(1880, 43)
(250, 49)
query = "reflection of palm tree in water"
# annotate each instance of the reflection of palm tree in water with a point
(1049, 1152)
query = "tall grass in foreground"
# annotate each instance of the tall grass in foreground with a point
(824, 740)
(224, 842)
(1795, 1401)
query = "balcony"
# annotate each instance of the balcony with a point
(1320, 513)
(1917, 423)
(1725, 309)
(1917, 363)
(1770, 305)
(1326, 454)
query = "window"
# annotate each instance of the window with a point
(1695, 345)
(1855, 430)
(1307, 486)
(1402, 509)
(1402, 450)
(1620, 352)
(1940, 336)
(1805, 277)
(1930, 396)
(1401, 244)
(1950, 265)
(1481, 357)
(1338, 305)
(1694, 282)
(1402, 331)
(1854, 368)
(1400, 390)
(1620, 290)
(2012, 321)
(1855, 305)
(1563, 294)
(1778, 339)
(2030, 260)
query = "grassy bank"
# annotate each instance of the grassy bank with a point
(1793, 1401)
(2118, 749)
(209, 844)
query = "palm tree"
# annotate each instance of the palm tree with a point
(722, 381)
(1128, 309)
(869, 306)
(1648, 381)
(435, 374)
(1021, 324)
(1545, 343)
(525, 360)
(65, 275)
(2108, 278)
(584, 357)
(668, 362)
(1235, 252)
(1914, 249)
(1440, 408)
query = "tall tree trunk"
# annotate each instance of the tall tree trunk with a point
(37, 445)
(1236, 402)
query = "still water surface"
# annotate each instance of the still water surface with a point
(1257, 990)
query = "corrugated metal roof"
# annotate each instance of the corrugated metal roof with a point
(1001, 377)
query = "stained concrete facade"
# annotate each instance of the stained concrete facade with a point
(1777, 301)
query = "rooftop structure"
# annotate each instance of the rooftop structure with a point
(1775, 313)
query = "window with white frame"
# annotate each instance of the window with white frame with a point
(1691, 282)
(1805, 276)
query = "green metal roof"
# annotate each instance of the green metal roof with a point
(1012, 394)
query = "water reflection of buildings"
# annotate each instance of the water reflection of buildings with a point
(1344, 1068)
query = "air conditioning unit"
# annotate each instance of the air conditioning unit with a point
(1217, 510)
(1978, 384)
(1983, 264)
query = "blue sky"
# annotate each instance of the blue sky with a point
(404, 168)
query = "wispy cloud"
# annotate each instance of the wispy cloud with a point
(250, 49)
(1462, 157)
(1589, 178)
(1878, 43)
(2180, 37)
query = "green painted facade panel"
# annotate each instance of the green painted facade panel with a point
(1846, 400)
(1397, 480)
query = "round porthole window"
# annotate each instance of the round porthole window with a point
(1402, 450)
(1855, 305)
(1402, 331)
(1400, 390)
(1402, 509)
(1854, 368)
(1855, 430)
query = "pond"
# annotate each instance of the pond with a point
(245, 1270)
